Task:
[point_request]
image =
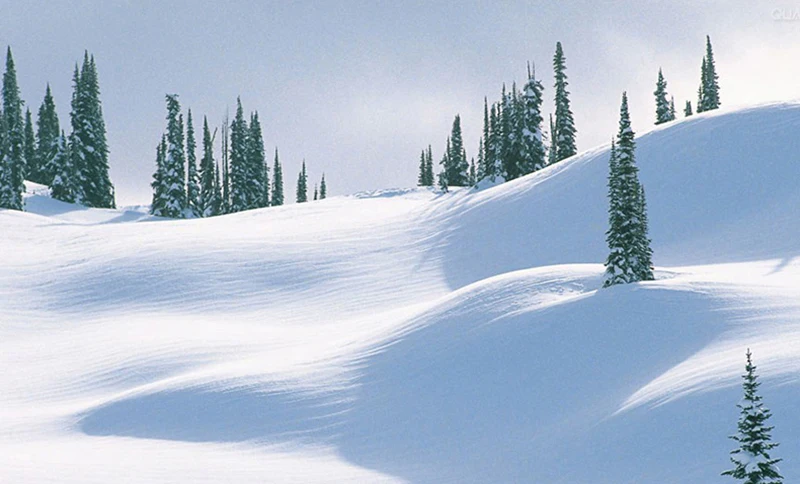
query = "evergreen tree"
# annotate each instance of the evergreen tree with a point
(445, 164)
(506, 156)
(90, 129)
(64, 185)
(193, 204)
(302, 185)
(316, 192)
(422, 180)
(429, 178)
(564, 133)
(457, 168)
(14, 162)
(630, 256)
(751, 460)
(158, 204)
(662, 105)
(708, 94)
(551, 150)
(209, 199)
(687, 110)
(77, 149)
(242, 194)
(47, 135)
(216, 207)
(258, 182)
(672, 108)
(532, 156)
(226, 185)
(442, 182)
(483, 143)
(174, 175)
(33, 167)
(277, 182)
(493, 145)
(471, 179)
(323, 188)
(512, 140)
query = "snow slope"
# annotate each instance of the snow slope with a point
(409, 336)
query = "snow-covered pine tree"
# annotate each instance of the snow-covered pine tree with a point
(458, 167)
(687, 109)
(217, 207)
(14, 164)
(258, 182)
(93, 149)
(6, 185)
(564, 122)
(323, 188)
(193, 208)
(442, 181)
(302, 185)
(445, 164)
(752, 461)
(472, 178)
(552, 150)
(240, 190)
(277, 182)
(33, 167)
(208, 201)
(157, 205)
(316, 192)
(662, 105)
(429, 178)
(64, 185)
(421, 179)
(532, 156)
(77, 149)
(629, 258)
(174, 175)
(492, 145)
(482, 143)
(709, 82)
(47, 135)
(509, 148)
(672, 108)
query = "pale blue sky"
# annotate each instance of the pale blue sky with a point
(357, 88)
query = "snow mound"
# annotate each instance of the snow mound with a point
(406, 335)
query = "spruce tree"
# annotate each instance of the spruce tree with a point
(14, 163)
(458, 167)
(174, 174)
(32, 167)
(209, 200)
(6, 184)
(192, 178)
(662, 105)
(242, 195)
(471, 179)
(483, 143)
(316, 192)
(672, 108)
(553, 149)
(277, 182)
(445, 164)
(532, 156)
(225, 207)
(421, 178)
(630, 256)
(47, 134)
(752, 462)
(64, 185)
(687, 110)
(302, 185)
(709, 82)
(492, 146)
(506, 156)
(429, 177)
(323, 188)
(158, 203)
(77, 149)
(258, 183)
(564, 122)
(442, 182)
(93, 147)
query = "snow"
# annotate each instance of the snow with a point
(406, 335)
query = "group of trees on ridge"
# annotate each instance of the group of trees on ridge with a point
(513, 143)
(74, 166)
(240, 181)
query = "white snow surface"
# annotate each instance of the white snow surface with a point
(411, 336)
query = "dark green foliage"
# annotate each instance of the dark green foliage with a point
(88, 145)
(752, 462)
(64, 185)
(240, 180)
(493, 146)
(47, 135)
(277, 182)
(169, 180)
(512, 139)
(192, 178)
(225, 207)
(687, 110)
(158, 204)
(13, 164)
(552, 150)
(209, 200)
(33, 168)
(708, 92)
(421, 178)
(429, 178)
(663, 112)
(302, 185)
(442, 182)
(630, 256)
(564, 133)
(316, 192)
(471, 179)
(529, 114)
(258, 174)
(323, 188)
(456, 167)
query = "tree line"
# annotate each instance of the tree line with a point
(239, 181)
(513, 142)
(74, 166)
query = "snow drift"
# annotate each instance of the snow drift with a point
(405, 335)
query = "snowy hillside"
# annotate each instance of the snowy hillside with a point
(408, 336)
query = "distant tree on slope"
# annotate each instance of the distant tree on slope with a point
(564, 122)
(751, 460)
(630, 255)
(323, 188)
(708, 93)
(687, 110)
(302, 185)
(277, 182)
(663, 111)
(192, 178)
(47, 136)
